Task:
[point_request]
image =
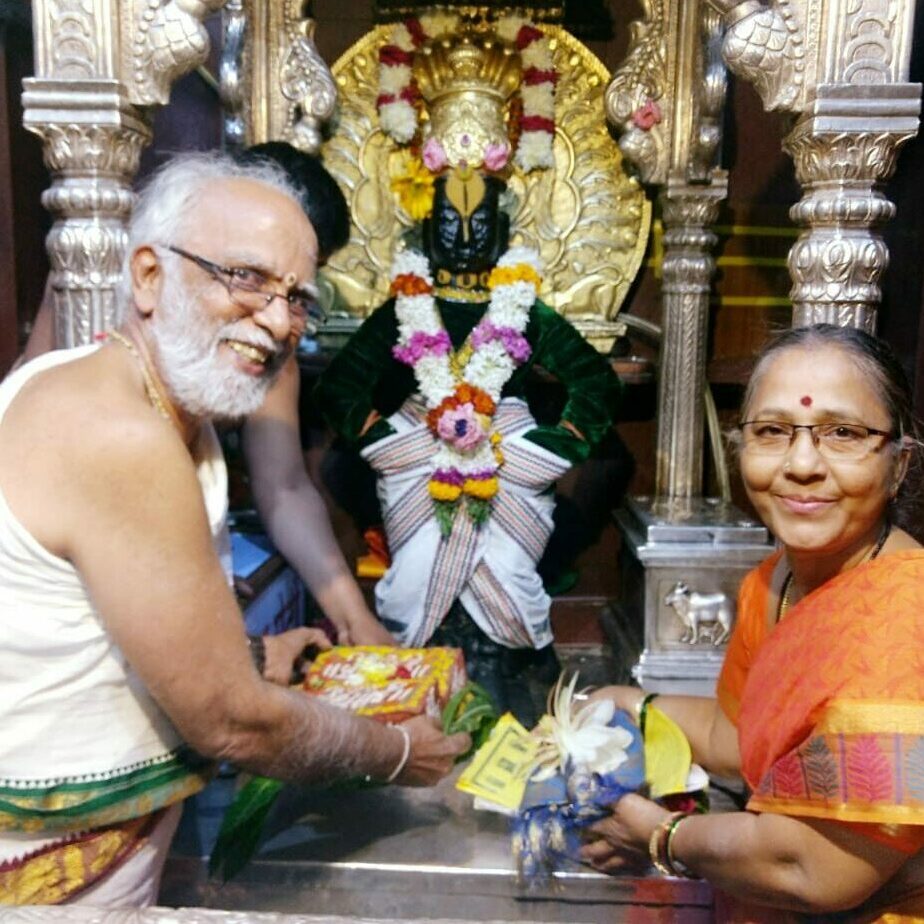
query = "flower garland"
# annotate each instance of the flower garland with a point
(533, 120)
(459, 412)
(537, 123)
(398, 93)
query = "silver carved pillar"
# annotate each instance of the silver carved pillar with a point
(683, 554)
(841, 156)
(92, 142)
(841, 69)
(99, 65)
(687, 211)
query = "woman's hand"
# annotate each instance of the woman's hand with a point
(627, 698)
(620, 841)
(285, 652)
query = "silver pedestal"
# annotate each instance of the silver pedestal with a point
(680, 567)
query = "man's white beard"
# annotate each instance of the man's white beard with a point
(203, 382)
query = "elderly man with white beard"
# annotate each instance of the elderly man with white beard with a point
(126, 668)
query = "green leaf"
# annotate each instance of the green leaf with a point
(470, 710)
(478, 510)
(242, 826)
(445, 514)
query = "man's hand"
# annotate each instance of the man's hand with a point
(432, 754)
(285, 652)
(620, 841)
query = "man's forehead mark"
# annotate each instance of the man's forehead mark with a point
(806, 401)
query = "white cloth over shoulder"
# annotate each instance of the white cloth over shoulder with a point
(490, 568)
(71, 707)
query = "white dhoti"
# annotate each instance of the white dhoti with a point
(491, 568)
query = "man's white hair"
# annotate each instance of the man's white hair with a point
(167, 204)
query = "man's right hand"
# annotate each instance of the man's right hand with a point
(432, 755)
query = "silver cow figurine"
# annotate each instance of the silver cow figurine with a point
(697, 610)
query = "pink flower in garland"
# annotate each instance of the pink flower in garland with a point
(496, 156)
(461, 428)
(420, 344)
(516, 345)
(434, 155)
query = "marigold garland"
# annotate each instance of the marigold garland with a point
(460, 412)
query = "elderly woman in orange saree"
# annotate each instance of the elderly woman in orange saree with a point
(820, 703)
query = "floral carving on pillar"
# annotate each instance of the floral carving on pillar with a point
(306, 82)
(167, 40)
(635, 97)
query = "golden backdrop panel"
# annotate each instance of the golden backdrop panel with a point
(587, 217)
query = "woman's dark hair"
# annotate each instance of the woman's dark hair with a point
(321, 197)
(886, 375)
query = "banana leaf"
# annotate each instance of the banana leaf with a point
(470, 710)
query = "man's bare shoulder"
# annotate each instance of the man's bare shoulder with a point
(80, 436)
(92, 401)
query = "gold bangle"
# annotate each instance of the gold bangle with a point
(657, 844)
(677, 867)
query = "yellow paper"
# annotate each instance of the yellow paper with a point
(667, 754)
(498, 771)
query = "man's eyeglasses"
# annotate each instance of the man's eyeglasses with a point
(250, 289)
(849, 442)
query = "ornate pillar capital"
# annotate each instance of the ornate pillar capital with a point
(98, 65)
(840, 68)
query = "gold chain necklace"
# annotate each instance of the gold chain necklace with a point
(157, 400)
(785, 594)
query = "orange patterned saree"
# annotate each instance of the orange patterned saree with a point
(830, 706)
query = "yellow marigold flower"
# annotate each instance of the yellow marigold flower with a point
(441, 491)
(499, 457)
(496, 439)
(483, 489)
(507, 275)
(412, 183)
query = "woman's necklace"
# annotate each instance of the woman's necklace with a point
(155, 396)
(786, 592)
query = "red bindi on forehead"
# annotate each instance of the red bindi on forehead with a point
(806, 401)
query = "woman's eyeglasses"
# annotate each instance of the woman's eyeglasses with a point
(833, 440)
(252, 290)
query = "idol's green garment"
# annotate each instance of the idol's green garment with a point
(365, 377)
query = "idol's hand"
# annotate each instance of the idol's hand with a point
(432, 753)
(620, 841)
(285, 652)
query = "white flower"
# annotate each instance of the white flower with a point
(399, 120)
(539, 100)
(393, 78)
(411, 262)
(537, 54)
(509, 26)
(579, 734)
(522, 254)
(534, 150)
(402, 38)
